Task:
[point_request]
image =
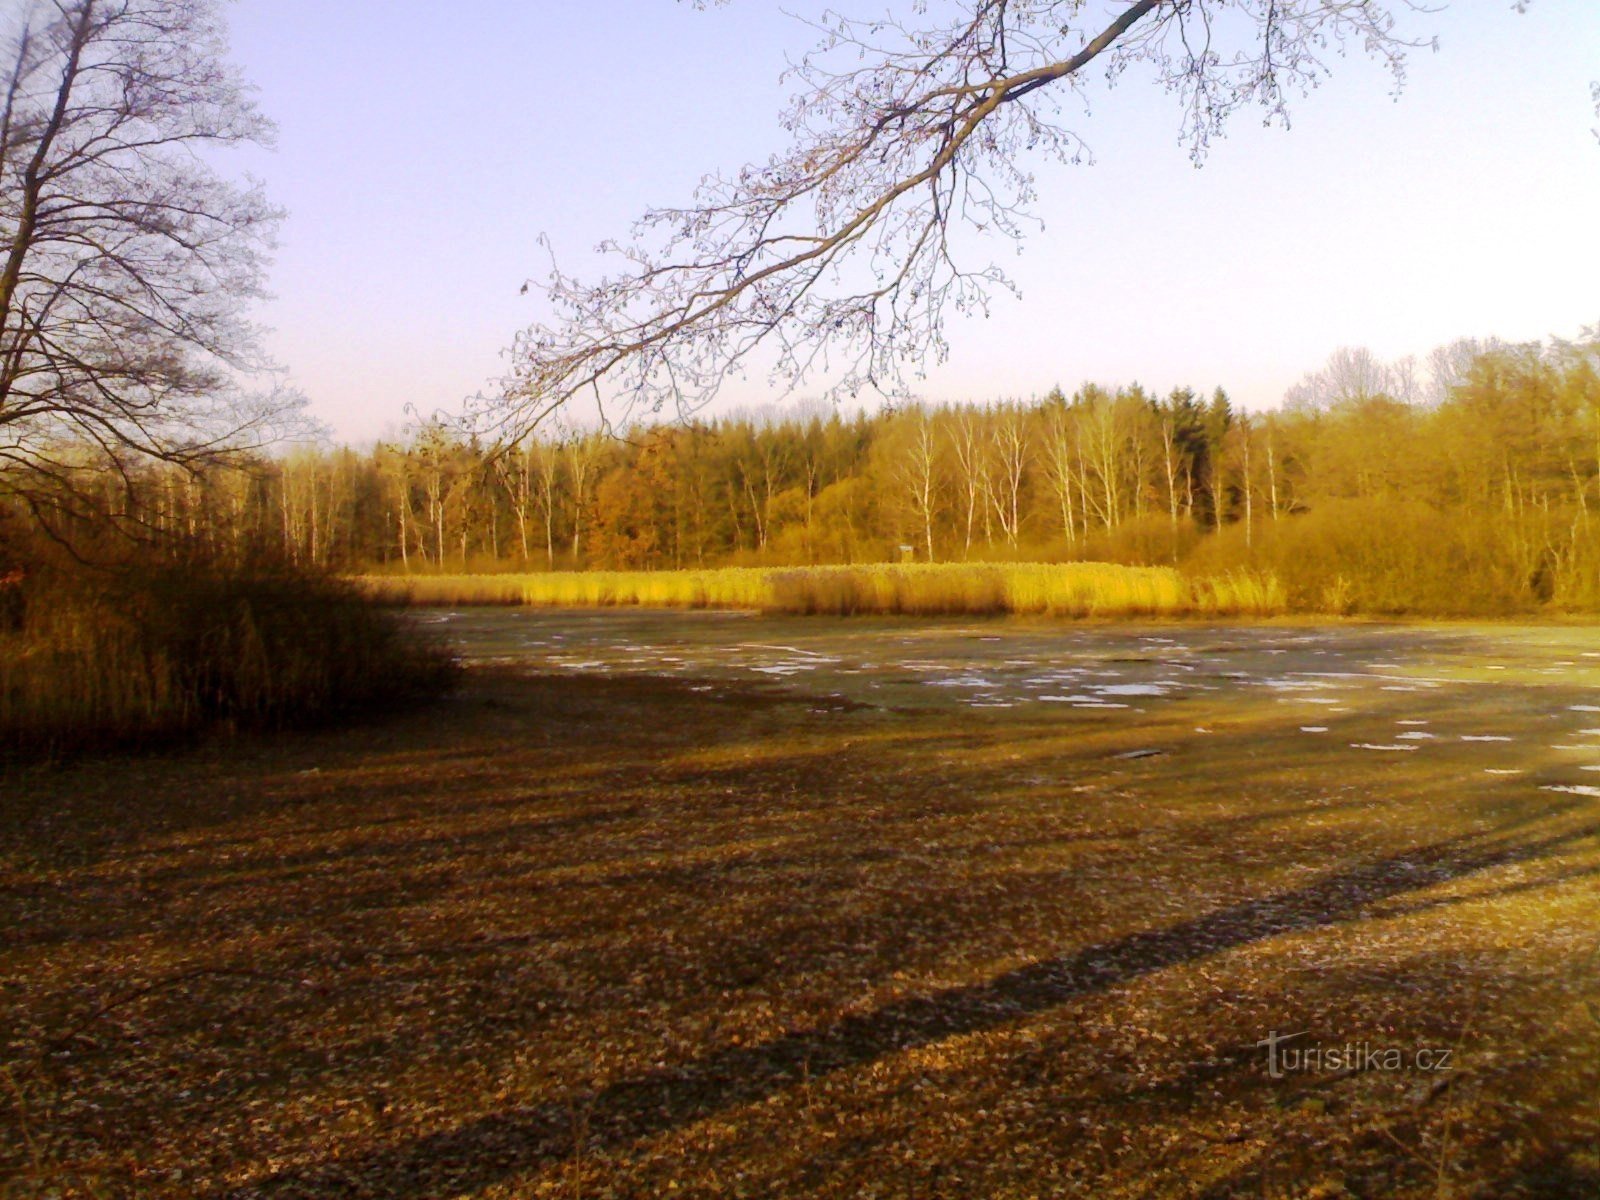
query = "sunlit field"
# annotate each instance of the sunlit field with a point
(707, 904)
(924, 589)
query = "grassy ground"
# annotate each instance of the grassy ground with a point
(601, 934)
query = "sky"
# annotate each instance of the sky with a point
(423, 148)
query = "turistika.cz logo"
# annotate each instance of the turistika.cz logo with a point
(1284, 1059)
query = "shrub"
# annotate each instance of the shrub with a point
(141, 654)
(1387, 557)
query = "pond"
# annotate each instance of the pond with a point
(1515, 701)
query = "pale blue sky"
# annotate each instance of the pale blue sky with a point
(423, 147)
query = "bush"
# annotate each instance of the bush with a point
(1147, 541)
(142, 654)
(1390, 558)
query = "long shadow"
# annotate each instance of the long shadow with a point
(492, 1148)
(261, 771)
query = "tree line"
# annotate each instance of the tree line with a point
(1492, 461)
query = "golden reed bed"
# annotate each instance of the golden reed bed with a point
(1054, 589)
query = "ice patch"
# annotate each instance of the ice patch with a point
(1575, 789)
(1378, 746)
(1131, 689)
(1412, 721)
(1585, 707)
(1501, 771)
(1415, 735)
(1365, 676)
(1313, 729)
(1485, 737)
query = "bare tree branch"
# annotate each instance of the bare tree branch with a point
(125, 260)
(840, 257)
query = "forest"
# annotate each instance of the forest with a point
(1468, 485)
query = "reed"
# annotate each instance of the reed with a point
(107, 660)
(928, 589)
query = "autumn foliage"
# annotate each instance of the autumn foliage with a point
(1471, 486)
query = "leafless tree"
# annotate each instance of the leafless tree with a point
(126, 261)
(1061, 436)
(1008, 432)
(1450, 364)
(969, 441)
(843, 255)
(916, 472)
(1352, 374)
(1104, 440)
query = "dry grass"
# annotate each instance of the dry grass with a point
(620, 937)
(923, 589)
(135, 656)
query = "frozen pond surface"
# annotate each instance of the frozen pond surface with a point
(1512, 701)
